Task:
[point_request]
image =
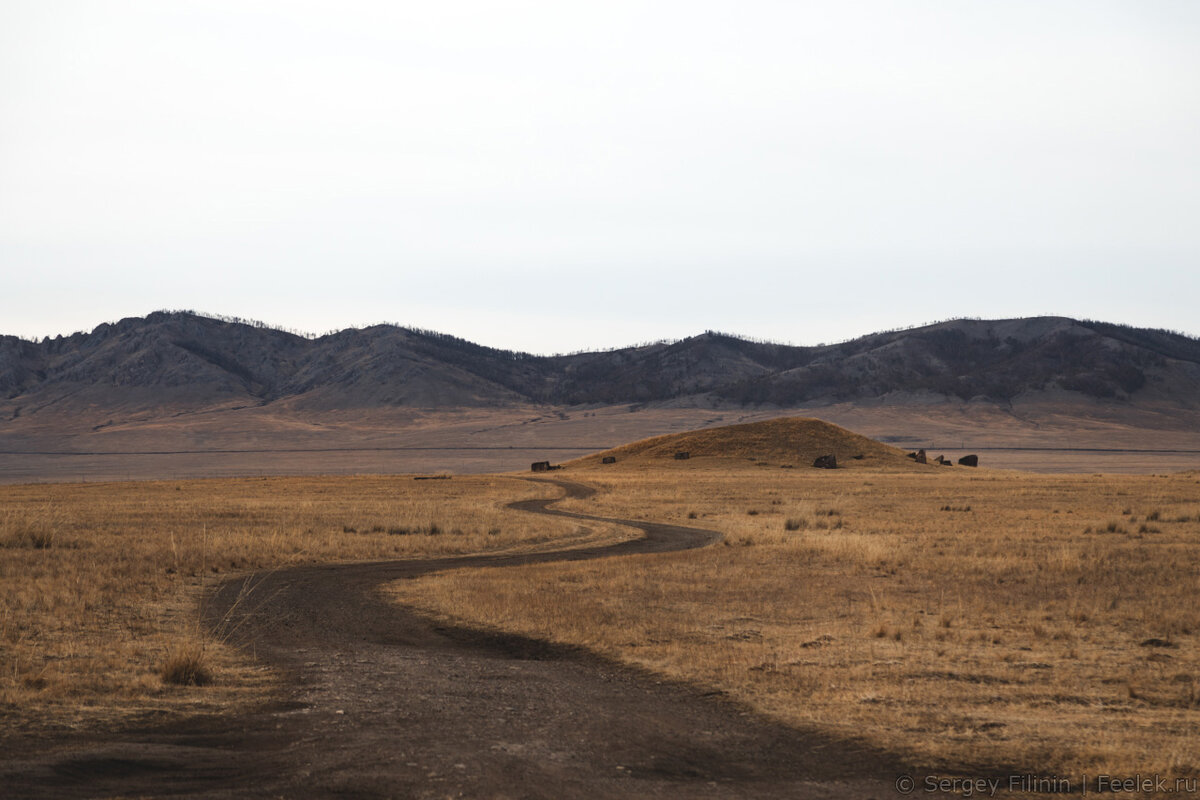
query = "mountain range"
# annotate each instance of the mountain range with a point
(182, 361)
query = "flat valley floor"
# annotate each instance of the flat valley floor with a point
(265, 441)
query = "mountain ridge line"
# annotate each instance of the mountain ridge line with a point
(183, 360)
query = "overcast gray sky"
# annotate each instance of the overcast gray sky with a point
(552, 176)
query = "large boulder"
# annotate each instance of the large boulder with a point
(969, 461)
(826, 462)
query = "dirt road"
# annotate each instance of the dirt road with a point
(388, 704)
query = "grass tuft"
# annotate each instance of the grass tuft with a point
(30, 531)
(186, 665)
(30, 539)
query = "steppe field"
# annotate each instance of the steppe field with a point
(100, 583)
(990, 619)
(969, 621)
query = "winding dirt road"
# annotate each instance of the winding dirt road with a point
(388, 704)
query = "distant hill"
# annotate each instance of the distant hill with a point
(794, 441)
(180, 360)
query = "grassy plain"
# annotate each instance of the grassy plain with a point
(99, 583)
(1000, 619)
(958, 616)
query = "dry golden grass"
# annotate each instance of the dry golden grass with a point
(99, 583)
(957, 616)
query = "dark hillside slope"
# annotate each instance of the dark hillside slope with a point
(182, 361)
(997, 361)
(697, 365)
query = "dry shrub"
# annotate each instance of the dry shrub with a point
(186, 665)
(29, 538)
(30, 528)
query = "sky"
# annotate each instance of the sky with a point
(558, 176)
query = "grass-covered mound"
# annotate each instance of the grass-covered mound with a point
(796, 441)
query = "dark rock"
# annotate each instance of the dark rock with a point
(826, 462)
(969, 461)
